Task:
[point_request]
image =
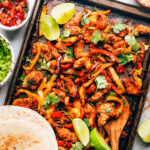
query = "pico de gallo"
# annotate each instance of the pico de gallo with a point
(13, 12)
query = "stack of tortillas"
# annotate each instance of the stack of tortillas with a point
(24, 129)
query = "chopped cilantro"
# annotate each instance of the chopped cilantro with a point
(65, 34)
(112, 93)
(28, 59)
(22, 77)
(85, 20)
(108, 110)
(95, 8)
(118, 27)
(120, 111)
(44, 64)
(50, 98)
(101, 82)
(29, 82)
(97, 37)
(77, 146)
(131, 40)
(2, 1)
(124, 59)
(69, 54)
(25, 10)
(65, 90)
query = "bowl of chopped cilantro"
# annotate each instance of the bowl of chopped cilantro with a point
(6, 60)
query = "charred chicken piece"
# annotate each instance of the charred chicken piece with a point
(70, 86)
(141, 29)
(131, 86)
(31, 103)
(74, 21)
(33, 80)
(66, 134)
(79, 50)
(105, 112)
(99, 94)
(90, 113)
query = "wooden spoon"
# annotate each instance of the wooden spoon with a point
(115, 127)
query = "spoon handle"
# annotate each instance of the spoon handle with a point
(115, 140)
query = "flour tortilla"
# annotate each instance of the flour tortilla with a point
(24, 129)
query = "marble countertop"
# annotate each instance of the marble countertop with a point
(16, 39)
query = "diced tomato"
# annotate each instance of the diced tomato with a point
(120, 69)
(14, 12)
(91, 89)
(4, 21)
(6, 3)
(22, 4)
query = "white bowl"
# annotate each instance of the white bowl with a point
(13, 62)
(30, 8)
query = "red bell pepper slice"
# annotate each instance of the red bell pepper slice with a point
(69, 144)
(65, 66)
(69, 126)
(104, 52)
(60, 143)
(120, 69)
(91, 89)
(57, 114)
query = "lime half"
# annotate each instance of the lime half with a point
(81, 130)
(97, 141)
(63, 12)
(144, 131)
(50, 28)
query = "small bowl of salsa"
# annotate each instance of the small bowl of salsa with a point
(144, 3)
(6, 60)
(14, 13)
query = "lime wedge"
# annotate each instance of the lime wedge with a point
(144, 131)
(63, 12)
(97, 141)
(50, 28)
(81, 130)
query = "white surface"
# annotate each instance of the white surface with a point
(16, 41)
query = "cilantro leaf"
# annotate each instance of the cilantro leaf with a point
(97, 37)
(118, 27)
(66, 33)
(124, 59)
(86, 122)
(85, 20)
(44, 64)
(50, 98)
(28, 59)
(69, 54)
(108, 110)
(22, 77)
(131, 40)
(95, 8)
(101, 82)
(77, 146)
(112, 93)
(2, 1)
